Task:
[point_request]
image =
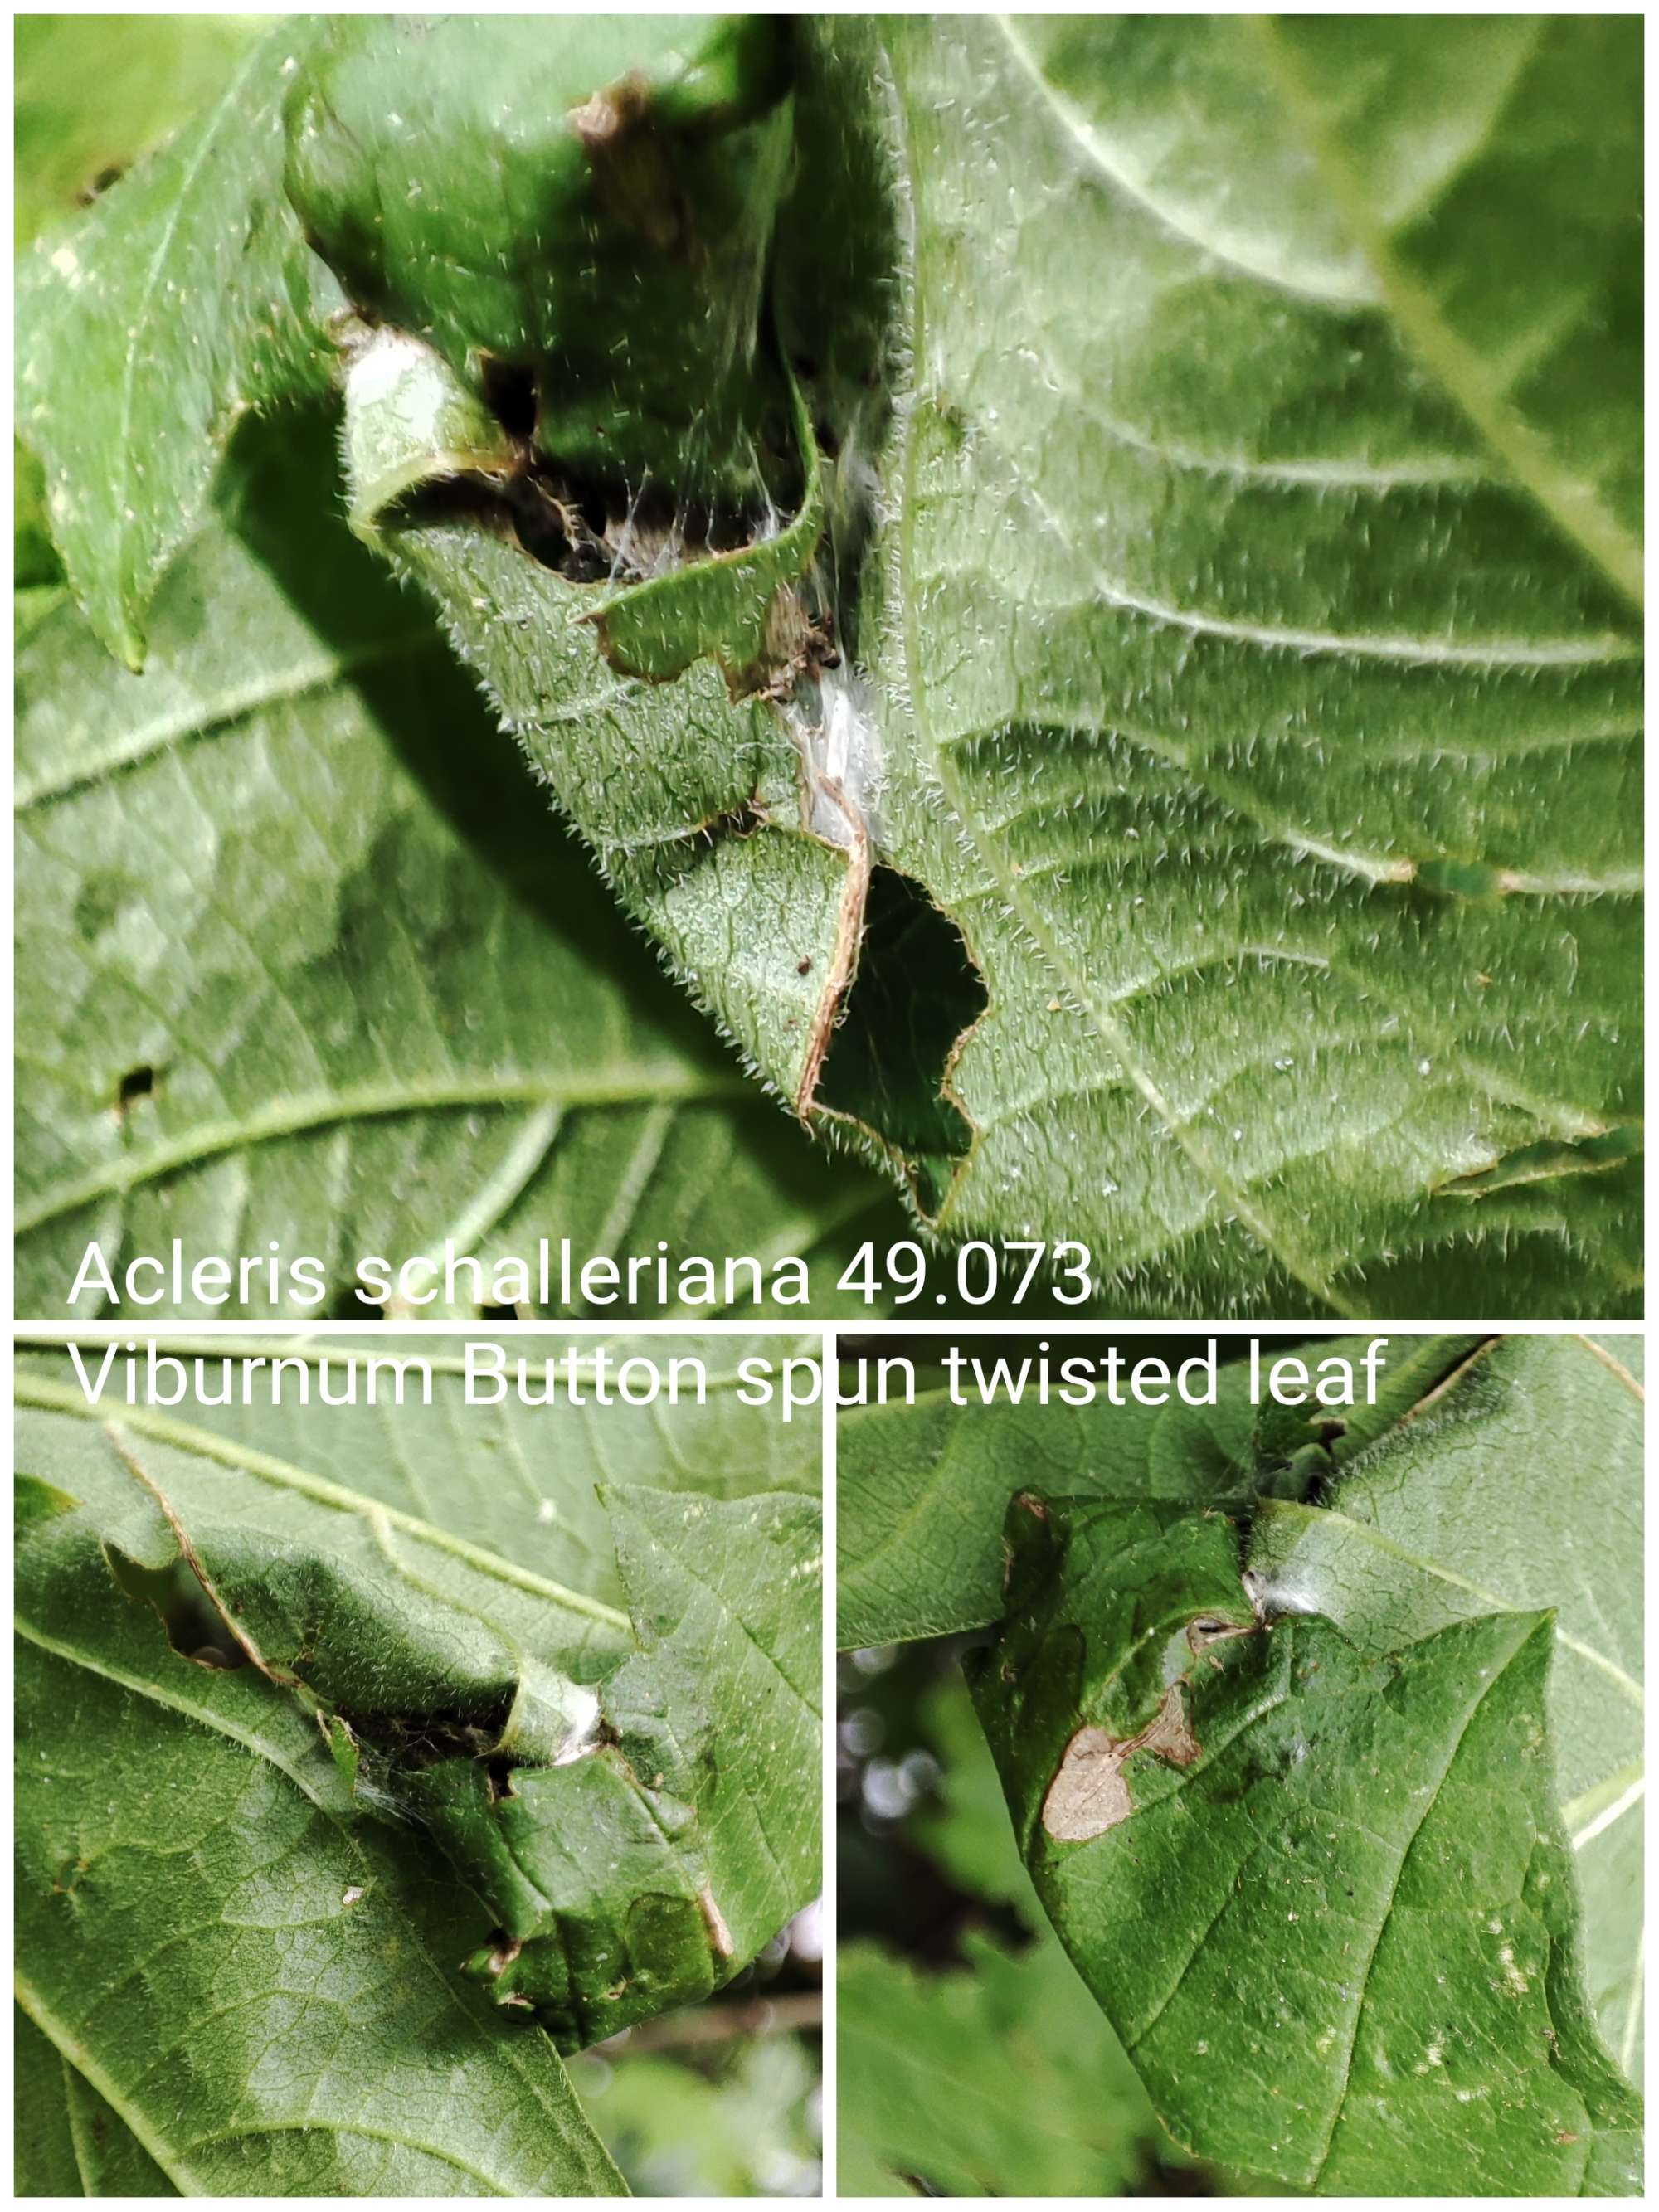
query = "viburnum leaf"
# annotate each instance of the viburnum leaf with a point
(1280, 731)
(522, 1481)
(1184, 798)
(91, 100)
(172, 308)
(1323, 1894)
(922, 1488)
(1516, 1485)
(1206, 662)
(399, 1732)
(303, 952)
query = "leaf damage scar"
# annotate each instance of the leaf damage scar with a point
(1089, 1792)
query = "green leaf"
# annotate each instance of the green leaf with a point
(923, 1489)
(1187, 801)
(1324, 1896)
(1517, 1485)
(302, 951)
(1515, 275)
(1283, 739)
(69, 2142)
(93, 97)
(690, 797)
(177, 305)
(920, 2049)
(1211, 647)
(521, 1481)
(503, 189)
(282, 2037)
(383, 1691)
(647, 1871)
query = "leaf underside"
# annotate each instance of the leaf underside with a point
(1242, 671)
(374, 1737)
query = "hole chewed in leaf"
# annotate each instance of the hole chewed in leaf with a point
(136, 1083)
(194, 1628)
(916, 993)
(509, 392)
(1548, 1161)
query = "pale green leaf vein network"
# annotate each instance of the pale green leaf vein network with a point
(1301, 842)
(897, 1531)
(1337, 288)
(1573, 504)
(1316, 1516)
(74, 2054)
(495, 1199)
(208, 717)
(1448, 652)
(1297, 1264)
(295, 1116)
(1597, 1809)
(61, 1398)
(1386, 1914)
(1144, 2028)
(1615, 1366)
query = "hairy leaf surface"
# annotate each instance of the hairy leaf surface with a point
(383, 1734)
(1324, 1895)
(1242, 667)
(1282, 733)
(1177, 782)
(300, 952)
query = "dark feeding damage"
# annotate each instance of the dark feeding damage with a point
(686, 384)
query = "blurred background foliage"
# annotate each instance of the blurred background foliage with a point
(973, 2062)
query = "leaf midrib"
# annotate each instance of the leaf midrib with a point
(1524, 456)
(207, 717)
(1387, 1913)
(73, 2055)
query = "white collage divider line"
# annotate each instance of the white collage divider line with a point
(898, 1323)
(829, 1344)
